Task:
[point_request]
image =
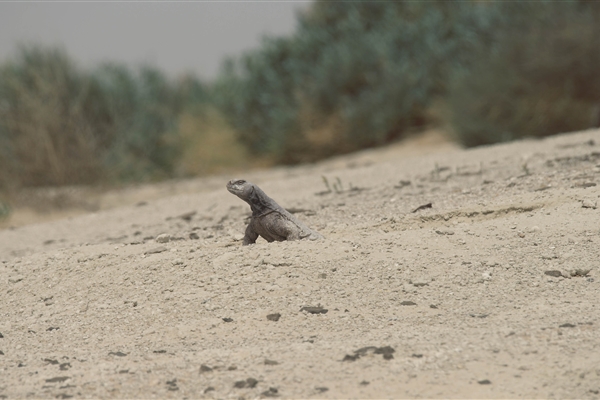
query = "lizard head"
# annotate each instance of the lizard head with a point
(241, 188)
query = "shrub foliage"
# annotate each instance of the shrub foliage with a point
(60, 125)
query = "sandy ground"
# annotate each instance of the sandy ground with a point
(491, 292)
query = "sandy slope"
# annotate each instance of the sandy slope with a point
(464, 292)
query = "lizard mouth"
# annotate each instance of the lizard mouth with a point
(236, 186)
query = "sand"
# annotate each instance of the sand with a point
(449, 273)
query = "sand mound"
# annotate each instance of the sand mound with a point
(455, 274)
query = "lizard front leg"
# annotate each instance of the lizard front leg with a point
(250, 236)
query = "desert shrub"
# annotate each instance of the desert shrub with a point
(61, 125)
(535, 74)
(354, 75)
(45, 134)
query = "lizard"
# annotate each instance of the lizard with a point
(269, 219)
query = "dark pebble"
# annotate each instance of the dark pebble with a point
(272, 392)
(232, 368)
(251, 382)
(124, 371)
(118, 354)
(274, 317)
(1, 353)
(20, 365)
(194, 236)
(1, 335)
(248, 383)
(386, 351)
(554, 273)
(159, 351)
(50, 361)
(239, 384)
(228, 319)
(321, 389)
(205, 368)
(485, 382)
(53, 328)
(567, 325)
(270, 362)
(408, 303)
(172, 385)
(433, 306)
(364, 383)
(314, 310)
(58, 379)
(65, 366)
(349, 357)
(479, 315)
(417, 355)
(209, 389)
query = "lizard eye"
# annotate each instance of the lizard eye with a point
(240, 182)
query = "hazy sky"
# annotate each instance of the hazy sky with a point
(174, 36)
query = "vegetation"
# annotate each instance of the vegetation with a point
(354, 75)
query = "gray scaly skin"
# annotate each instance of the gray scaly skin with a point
(269, 219)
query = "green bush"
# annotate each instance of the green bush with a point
(536, 74)
(60, 125)
(354, 75)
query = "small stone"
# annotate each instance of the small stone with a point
(15, 279)
(408, 303)
(156, 250)
(580, 272)
(237, 237)
(419, 282)
(117, 353)
(314, 310)
(444, 232)
(554, 273)
(364, 383)
(228, 319)
(194, 236)
(485, 382)
(64, 366)
(209, 389)
(163, 238)
(249, 383)
(567, 325)
(588, 204)
(321, 389)
(205, 368)
(272, 392)
(270, 362)
(58, 379)
(417, 355)
(274, 317)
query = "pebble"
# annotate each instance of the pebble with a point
(163, 238)
(314, 310)
(554, 273)
(156, 250)
(274, 317)
(588, 204)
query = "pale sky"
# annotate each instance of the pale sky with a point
(177, 37)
